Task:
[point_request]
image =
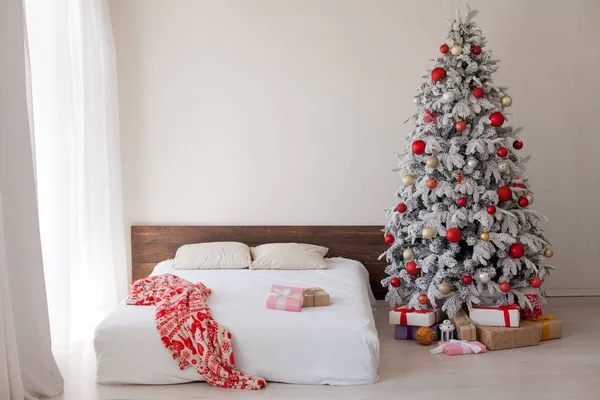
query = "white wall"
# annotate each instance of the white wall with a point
(289, 111)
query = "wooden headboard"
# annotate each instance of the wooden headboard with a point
(153, 244)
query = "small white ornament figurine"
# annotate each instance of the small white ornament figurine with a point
(447, 330)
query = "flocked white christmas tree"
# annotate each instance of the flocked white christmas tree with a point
(461, 230)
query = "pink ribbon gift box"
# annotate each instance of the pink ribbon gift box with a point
(455, 347)
(285, 298)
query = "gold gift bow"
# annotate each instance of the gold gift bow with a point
(543, 319)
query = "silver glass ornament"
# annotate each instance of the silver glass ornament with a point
(484, 277)
(472, 162)
(448, 97)
(502, 166)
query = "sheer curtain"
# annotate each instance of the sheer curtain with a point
(27, 367)
(76, 133)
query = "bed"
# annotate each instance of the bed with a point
(335, 345)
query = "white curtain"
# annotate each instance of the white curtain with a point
(27, 367)
(75, 118)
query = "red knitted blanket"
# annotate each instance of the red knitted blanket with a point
(188, 330)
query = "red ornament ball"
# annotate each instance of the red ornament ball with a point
(476, 50)
(519, 185)
(395, 282)
(478, 92)
(462, 202)
(491, 210)
(389, 239)
(431, 183)
(418, 147)
(502, 152)
(401, 208)
(422, 299)
(412, 269)
(461, 126)
(454, 235)
(444, 48)
(504, 193)
(467, 280)
(517, 144)
(523, 202)
(535, 282)
(496, 119)
(505, 287)
(438, 74)
(516, 250)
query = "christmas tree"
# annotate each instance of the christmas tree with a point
(461, 230)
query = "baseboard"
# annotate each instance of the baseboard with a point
(572, 292)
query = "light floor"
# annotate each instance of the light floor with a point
(568, 368)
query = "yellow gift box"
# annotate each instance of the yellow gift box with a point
(551, 328)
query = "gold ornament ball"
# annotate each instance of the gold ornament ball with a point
(548, 253)
(485, 236)
(428, 233)
(408, 254)
(432, 162)
(445, 287)
(529, 198)
(408, 180)
(456, 49)
(425, 335)
(506, 101)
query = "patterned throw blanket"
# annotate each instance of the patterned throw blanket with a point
(188, 330)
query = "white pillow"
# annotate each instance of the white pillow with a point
(214, 255)
(288, 256)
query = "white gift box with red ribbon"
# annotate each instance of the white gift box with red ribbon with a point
(413, 317)
(507, 316)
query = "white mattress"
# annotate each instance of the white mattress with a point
(334, 345)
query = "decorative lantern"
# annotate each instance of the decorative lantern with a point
(447, 330)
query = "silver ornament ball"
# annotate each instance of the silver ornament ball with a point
(416, 100)
(408, 180)
(428, 233)
(432, 162)
(484, 277)
(408, 254)
(445, 287)
(502, 166)
(529, 198)
(456, 49)
(448, 97)
(472, 162)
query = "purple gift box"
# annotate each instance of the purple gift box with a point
(402, 332)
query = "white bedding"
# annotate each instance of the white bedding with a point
(334, 345)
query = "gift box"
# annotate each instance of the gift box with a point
(535, 311)
(457, 347)
(414, 317)
(500, 338)
(549, 327)
(404, 332)
(315, 297)
(285, 298)
(507, 316)
(465, 328)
